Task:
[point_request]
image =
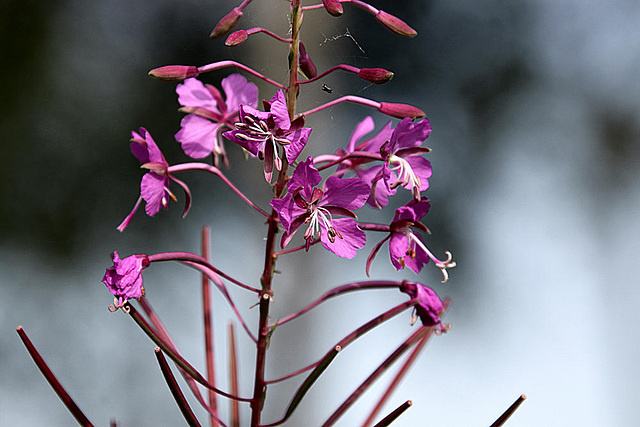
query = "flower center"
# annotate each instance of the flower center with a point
(259, 131)
(318, 218)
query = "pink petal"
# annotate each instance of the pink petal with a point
(192, 93)
(197, 136)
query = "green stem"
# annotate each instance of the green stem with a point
(260, 385)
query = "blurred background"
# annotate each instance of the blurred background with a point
(536, 191)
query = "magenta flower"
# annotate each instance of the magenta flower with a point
(270, 134)
(124, 279)
(209, 114)
(154, 187)
(306, 204)
(400, 149)
(429, 304)
(406, 248)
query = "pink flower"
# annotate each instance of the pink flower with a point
(124, 279)
(406, 248)
(400, 150)
(209, 114)
(429, 304)
(270, 134)
(307, 204)
(154, 187)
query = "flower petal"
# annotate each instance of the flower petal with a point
(305, 176)
(152, 189)
(192, 93)
(279, 111)
(239, 91)
(298, 140)
(362, 128)
(352, 238)
(350, 193)
(197, 136)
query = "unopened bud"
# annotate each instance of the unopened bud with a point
(236, 38)
(333, 7)
(378, 76)
(400, 110)
(226, 24)
(306, 64)
(174, 73)
(395, 25)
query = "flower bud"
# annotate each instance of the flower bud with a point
(226, 24)
(395, 25)
(378, 76)
(174, 73)
(306, 64)
(400, 110)
(236, 38)
(333, 7)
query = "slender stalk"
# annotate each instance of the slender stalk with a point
(345, 67)
(198, 262)
(386, 421)
(347, 98)
(52, 380)
(510, 411)
(192, 166)
(187, 413)
(225, 64)
(399, 376)
(208, 326)
(350, 287)
(360, 331)
(168, 348)
(406, 345)
(233, 376)
(160, 330)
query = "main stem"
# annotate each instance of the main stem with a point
(260, 386)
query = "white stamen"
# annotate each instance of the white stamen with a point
(406, 175)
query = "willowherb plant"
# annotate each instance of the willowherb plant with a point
(304, 211)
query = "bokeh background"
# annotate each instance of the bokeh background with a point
(534, 106)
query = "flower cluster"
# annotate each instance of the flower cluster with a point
(315, 197)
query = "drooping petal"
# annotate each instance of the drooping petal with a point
(125, 223)
(350, 193)
(239, 91)
(152, 189)
(374, 253)
(198, 136)
(352, 238)
(192, 93)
